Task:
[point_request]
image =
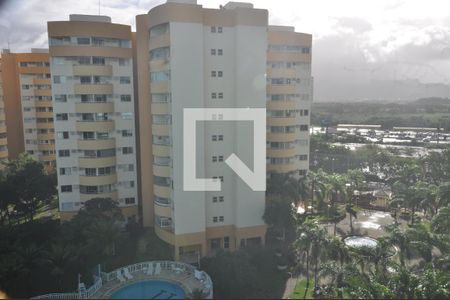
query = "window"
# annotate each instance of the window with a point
(88, 135)
(60, 98)
(127, 150)
(127, 133)
(221, 198)
(127, 116)
(219, 29)
(159, 30)
(85, 79)
(98, 60)
(124, 62)
(213, 29)
(62, 117)
(220, 158)
(65, 171)
(129, 200)
(214, 219)
(62, 135)
(214, 159)
(221, 219)
(63, 153)
(214, 138)
(90, 172)
(213, 74)
(226, 242)
(159, 76)
(220, 137)
(160, 54)
(125, 80)
(213, 95)
(219, 51)
(125, 98)
(66, 189)
(59, 79)
(213, 51)
(220, 95)
(220, 74)
(303, 157)
(83, 41)
(214, 199)
(303, 127)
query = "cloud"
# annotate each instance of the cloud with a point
(355, 43)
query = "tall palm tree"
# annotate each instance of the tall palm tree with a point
(336, 250)
(103, 235)
(59, 257)
(399, 238)
(309, 242)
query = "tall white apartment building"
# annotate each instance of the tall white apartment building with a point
(192, 57)
(91, 62)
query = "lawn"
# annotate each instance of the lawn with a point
(299, 290)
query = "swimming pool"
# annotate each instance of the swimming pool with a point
(154, 289)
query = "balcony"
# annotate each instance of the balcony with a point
(94, 107)
(97, 70)
(98, 180)
(87, 197)
(163, 211)
(97, 125)
(160, 108)
(96, 162)
(163, 171)
(161, 150)
(97, 144)
(99, 89)
(281, 121)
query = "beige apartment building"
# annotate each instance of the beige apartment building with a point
(28, 105)
(3, 134)
(289, 97)
(106, 78)
(93, 107)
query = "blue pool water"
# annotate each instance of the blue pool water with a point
(154, 289)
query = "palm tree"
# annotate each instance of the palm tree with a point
(398, 237)
(339, 275)
(103, 235)
(284, 185)
(336, 250)
(309, 243)
(59, 257)
(440, 223)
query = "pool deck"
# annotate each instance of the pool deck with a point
(185, 280)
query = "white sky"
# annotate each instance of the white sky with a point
(356, 42)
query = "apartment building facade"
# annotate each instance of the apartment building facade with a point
(3, 134)
(192, 57)
(28, 105)
(93, 107)
(289, 98)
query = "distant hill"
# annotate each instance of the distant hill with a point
(433, 101)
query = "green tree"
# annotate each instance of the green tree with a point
(441, 221)
(26, 186)
(279, 214)
(308, 244)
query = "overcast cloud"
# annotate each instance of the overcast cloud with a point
(378, 49)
